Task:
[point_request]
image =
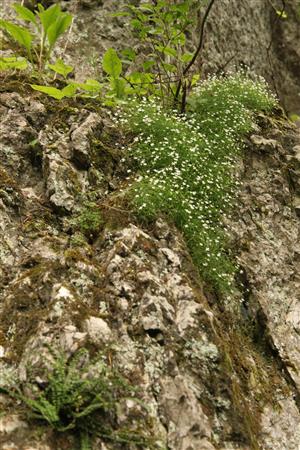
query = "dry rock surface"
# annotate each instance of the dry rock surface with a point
(213, 375)
(207, 384)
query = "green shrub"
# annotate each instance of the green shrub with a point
(39, 37)
(186, 165)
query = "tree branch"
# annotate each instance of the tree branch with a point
(201, 39)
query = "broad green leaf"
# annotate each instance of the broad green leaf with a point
(170, 51)
(111, 63)
(195, 78)
(11, 62)
(135, 77)
(69, 90)
(186, 57)
(20, 34)
(25, 13)
(118, 87)
(57, 28)
(182, 7)
(148, 64)
(61, 68)
(294, 117)
(58, 94)
(49, 16)
(90, 85)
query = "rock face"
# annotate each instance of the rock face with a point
(268, 235)
(213, 376)
(77, 270)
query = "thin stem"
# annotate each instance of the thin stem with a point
(197, 51)
(201, 40)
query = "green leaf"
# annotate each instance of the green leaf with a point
(58, 94)
(118, 87)
(69, 90)
(51, 91)
(90, 85)
(129, 54)
(11, 62)
(195, 78)
(20, 34)
(281, 14)
(61, 68)
(25, 13)
(148, 64)
(294, 117)
(48, 16)
(135, 77)
(169, 67)
(168, 51)
(57, 28)
(136, 24)
(111, 63)
(186, 57)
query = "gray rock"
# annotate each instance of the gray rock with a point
(97, 330)
(81, 136)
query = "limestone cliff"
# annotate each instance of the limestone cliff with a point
(213, 374)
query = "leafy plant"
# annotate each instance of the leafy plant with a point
(166, 68)
(112, 65)
(61, 68)
(82, 395)
(185, 165)
(39, 38)
(13, 63)
(58, 94)
(89, 221)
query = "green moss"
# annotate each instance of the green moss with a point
(25, 308)
(89, 221)
(6, 181)
(251, 377)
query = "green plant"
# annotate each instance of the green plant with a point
(13, 63)
(39, 38)
(58, 94)
(82, 395)
(164, 67)
(294, 117)
(90, 88)
(112, 65)
(186, 165)
(89, 221)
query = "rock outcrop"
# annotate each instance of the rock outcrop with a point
(77, 269)
(212, 375)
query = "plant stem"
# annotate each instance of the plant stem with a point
(197, 51)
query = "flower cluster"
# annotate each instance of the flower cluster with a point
(186, 165)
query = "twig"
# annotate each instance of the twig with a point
(201, 40)
(197, 51)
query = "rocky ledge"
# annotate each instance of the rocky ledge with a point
(77, 270)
